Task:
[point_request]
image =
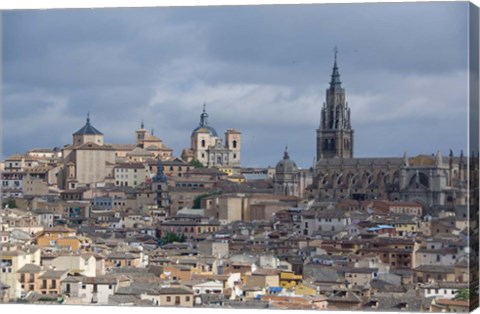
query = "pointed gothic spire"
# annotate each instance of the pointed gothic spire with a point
(335, 81)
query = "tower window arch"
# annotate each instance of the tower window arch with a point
(203, 143)
(234, 143)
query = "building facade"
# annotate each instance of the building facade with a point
(431, 180)
(87, 161)
(209, 149)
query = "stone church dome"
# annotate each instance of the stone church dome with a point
(286, 165)
(204, 124)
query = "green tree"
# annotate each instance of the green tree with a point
(172, 237)
(196, 164)
(463, 294)
(10, 203)
(197, 202)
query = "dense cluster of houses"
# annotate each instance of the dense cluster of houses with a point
(239, 249)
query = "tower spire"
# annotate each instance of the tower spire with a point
(88, 117)
(335, 80)
(285, 154)
(204, 116)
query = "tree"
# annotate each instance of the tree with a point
(196, 164)
(10, 203)
(197, 202)
(172, 237)
(463, 294)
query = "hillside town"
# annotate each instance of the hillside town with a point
(97, 223)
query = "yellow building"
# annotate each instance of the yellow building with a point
(405, 226)
(60, 237)
(229, 171)
(289, 280)
(305, 289)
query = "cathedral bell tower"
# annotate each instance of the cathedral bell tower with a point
(335, 134)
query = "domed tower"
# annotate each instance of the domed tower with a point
(202, 138)
(286, 180)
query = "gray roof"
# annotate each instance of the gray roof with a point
(53, 274)
(29, 268)
(435, 269)
(395, 302)
(176, 290)
(88, 129)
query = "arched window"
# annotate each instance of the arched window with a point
(203, 143)
(332, 144)
(234, 143)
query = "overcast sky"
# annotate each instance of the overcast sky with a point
(262, 70)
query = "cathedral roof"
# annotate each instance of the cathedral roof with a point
(423, 160)
(138, 151)
(88, 129)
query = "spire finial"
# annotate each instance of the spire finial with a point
(142, 125)
(88, 117)
(204, 116)
(285, 154)
(335, 80)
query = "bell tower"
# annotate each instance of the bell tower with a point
(335, 134)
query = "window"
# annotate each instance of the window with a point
(187, 298)
(177, 300)
(169, 299)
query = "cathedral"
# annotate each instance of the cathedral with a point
(431, 180)
(207, 147)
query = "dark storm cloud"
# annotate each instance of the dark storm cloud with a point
(261, 69)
